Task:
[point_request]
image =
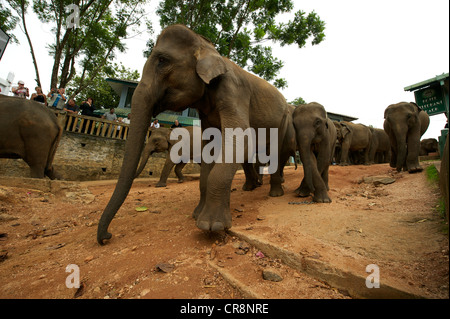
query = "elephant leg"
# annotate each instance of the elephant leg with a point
(205, 170)
(344, 155)
(36, 158)
(412, 157)
(276, 189)
(215, 214)
(251, 177)
(178, 171)
(366, 156)
(303, 190)
(168, 165)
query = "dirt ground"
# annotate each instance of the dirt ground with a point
(157, 251)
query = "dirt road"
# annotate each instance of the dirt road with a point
(157, 252)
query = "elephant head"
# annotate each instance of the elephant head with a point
(159, 141)
(174, 77)
(405, 123)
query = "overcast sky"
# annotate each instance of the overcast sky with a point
(372, 50)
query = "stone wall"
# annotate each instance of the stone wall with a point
(81, 157)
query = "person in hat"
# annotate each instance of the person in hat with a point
(20, 90)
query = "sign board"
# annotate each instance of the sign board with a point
(431, 99)
(4, 39)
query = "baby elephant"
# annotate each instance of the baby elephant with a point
(29, 131)
(316, 140)
(158, 142)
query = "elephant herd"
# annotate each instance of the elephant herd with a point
(185, 70)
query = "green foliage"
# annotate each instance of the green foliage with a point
(8, 22)
(83, 51)
(101, 92)
(238, 28)
(298, 101)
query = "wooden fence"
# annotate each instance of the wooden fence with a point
(94, 126)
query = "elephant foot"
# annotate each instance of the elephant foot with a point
(248, 186)
(181, 180)
(415, 169)
(161, 184)
(321, 198)
(301, 193)
(214, 219)
(276, 190)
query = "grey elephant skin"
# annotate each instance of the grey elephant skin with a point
(405, 123)
(30, 131)
(380, 148)
(353, 138)
(159, 141)
(428, 145)
(316, 140)
(185, 70)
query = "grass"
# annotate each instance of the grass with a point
(433, 178)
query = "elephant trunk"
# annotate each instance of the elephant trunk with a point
(142, 105)
(306, 156)
(401, 148)
(148, 150)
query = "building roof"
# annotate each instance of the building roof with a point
(341, 117)
(428, 82)
(117, 84)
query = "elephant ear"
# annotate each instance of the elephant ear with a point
(345, 130)
(210, 64)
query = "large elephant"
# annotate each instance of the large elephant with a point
(405, 123)
(185, 70)
(380, 149)
(159, 141)
(353, 137)
(31, 132)
(316, 140)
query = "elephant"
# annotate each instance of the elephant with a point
(159, 141)
(31, 132)
(380, 149)
(405, 123)
(353, 137)
(428, 145)
(185, 70)
(316, 141)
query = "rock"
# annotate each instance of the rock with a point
(164, 267)
(7, 217)
(377, 180)
(271, 275)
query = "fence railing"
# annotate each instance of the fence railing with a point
(94, 126)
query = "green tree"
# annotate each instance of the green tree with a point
(298, 101)
(99, 89)
(8, 22)
(83, 49)
(240, 28)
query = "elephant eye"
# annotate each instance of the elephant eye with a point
(162, 61)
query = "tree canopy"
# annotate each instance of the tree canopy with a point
(83, 47)
(243, 30)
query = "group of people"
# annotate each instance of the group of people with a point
(57, 99)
